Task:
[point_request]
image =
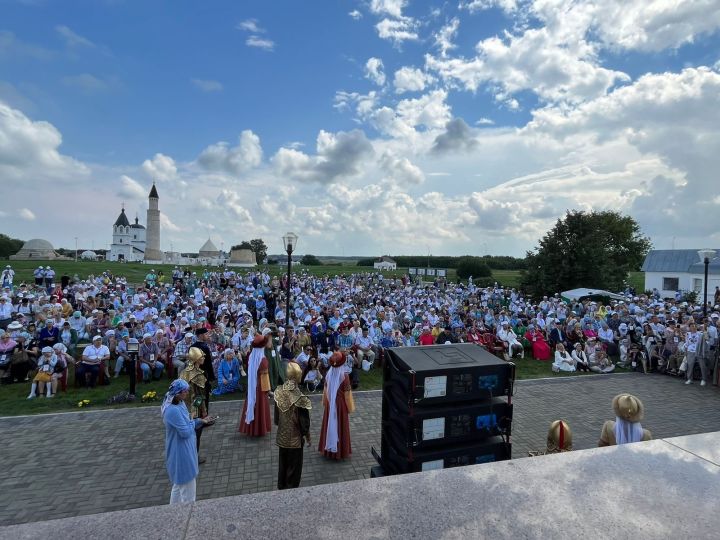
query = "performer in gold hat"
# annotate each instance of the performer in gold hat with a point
(292, 417)
(194, 375)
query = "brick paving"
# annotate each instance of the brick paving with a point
(88, 462)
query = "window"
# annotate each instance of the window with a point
(671, 284)
(697, 284)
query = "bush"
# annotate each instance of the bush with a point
(472, 266)
(310, 260)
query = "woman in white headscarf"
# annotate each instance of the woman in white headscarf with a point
(181, 458)
(626, 428)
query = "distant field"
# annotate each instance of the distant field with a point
(135, 272)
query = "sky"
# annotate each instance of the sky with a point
(366, 127)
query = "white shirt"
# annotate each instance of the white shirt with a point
(96, 353)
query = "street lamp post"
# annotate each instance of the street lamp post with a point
(76, 249)
(290, 242)
(705, 256)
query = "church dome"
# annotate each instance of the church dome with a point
(136, 225)
(122, 220)
(38, 244)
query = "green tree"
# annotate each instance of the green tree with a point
(242, 245)
(586, 249)
(310, 260)
(259, 248)
(9, 246)
(472, 266)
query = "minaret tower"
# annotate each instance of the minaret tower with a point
(152, 246)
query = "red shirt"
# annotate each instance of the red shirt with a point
(427, 339)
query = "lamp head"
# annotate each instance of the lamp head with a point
(290, 242)
(708, 254)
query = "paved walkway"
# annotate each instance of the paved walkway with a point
(88, 462)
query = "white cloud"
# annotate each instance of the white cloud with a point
(388, 7)
(554, 66)
(480, 5)
(131, 189)
(645, 25)
(484, 122)
(73, 39)
(250, 25)
(207, 85)
(339, 156)
(26, 214)
(374, 71)
(355, 14)
(160, 167)
(166, 224)
(400, 170)
(409, 79)
(30, 150)
(233, 160)
(444, 37)
(397, 30)
(86, 83)
(260, 43)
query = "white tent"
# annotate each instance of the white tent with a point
(88, 255)
(578, 294)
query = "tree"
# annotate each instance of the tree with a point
(9, 246)
(242, 245)
(472, 266)
(310, 260)
(259, 248)
(595, 249)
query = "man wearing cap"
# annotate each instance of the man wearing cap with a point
(7, 276)
(201, 342)
(179, 358)
(6, 310)
(149, 356)
(39, 275)
(92, 358)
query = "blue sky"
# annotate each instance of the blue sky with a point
(367, 126)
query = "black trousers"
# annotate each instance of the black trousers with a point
(290, 467)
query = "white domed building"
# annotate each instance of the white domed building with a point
(37, 249)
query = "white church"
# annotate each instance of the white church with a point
(132, 242)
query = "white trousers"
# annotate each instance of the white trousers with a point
(183, 493)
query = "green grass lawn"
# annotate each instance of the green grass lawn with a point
(13, 400)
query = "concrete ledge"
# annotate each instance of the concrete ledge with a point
(658, 489)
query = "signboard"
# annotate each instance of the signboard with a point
(430, 271)
(441, 272)
(421, 271)
(412, 271)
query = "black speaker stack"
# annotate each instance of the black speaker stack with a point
(444, 406)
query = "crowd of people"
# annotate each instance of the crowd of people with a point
(224, 331)
(48, 326)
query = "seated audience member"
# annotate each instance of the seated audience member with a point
(149, 356)
(507, 336)
(179, 358)
(312, 377)
(626, 427)
(581, 360)
(63, 361)
(600, 363)
(636, 358)
(228, 374)
(43, 378)
(7, 347)
(563, 360)
(89, 367)
(559, 439)
(540, 347)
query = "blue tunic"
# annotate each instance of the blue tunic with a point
(225, 371)
(181, 457)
